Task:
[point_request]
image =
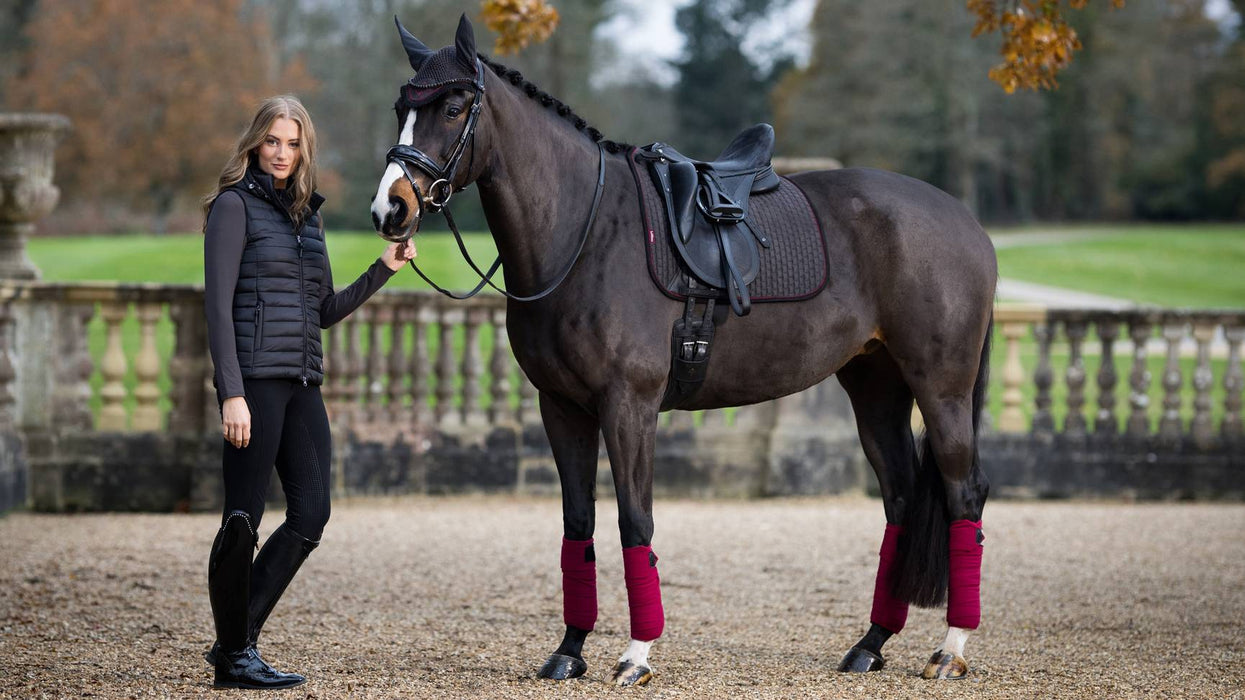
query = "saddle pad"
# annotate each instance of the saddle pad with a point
(793, 268)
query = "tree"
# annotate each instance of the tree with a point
(720, 90)
(518, 23)
(1221, 138)
(157, 92)
(1038, 42)
(896, 85)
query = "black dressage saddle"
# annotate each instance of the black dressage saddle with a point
(707, 206)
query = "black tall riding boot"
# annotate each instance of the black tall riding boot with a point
(274, 568)
(229, 587)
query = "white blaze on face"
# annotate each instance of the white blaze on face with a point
(380, 205)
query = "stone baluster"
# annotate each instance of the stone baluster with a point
(1169, 424)
(8, 395)
(1203, 378)
(1140, 329)
(473, 368)
(499, 367)
(1013, 420)
(351, 369)
(1043, 378)
(112, 415)
(186, 364)
(1105, 422)
(1074, 423)
(757, 415)
(71, 392)
(331, 389)
(421, 363)
(713, 419)
(398, 362)
(447, 368)
(376, 316)
(211, 408)
(147, 369)
(682, 420)
(1233, 381)
(529, 410)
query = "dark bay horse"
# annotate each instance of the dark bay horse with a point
(905, 317)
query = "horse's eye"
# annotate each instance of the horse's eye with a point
(452, 111)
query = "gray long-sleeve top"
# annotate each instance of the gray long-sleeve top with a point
(223, 242)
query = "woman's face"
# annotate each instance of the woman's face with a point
(279, 152)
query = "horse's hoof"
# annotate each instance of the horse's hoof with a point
(860, 660)
(560, 667)
(628, 674)
(945, 667)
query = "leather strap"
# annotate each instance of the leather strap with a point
(487, 278)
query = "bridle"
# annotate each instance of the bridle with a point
(442, 188)
(439, 192)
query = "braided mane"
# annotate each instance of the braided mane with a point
(550, 102)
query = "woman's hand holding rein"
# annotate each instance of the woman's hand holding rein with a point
(397, 254)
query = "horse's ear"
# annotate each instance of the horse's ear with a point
(465, 42)
(416, 52)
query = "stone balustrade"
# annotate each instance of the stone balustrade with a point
(107, 382)
(405, 361)
(1194, 354)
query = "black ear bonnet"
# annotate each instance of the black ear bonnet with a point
(437, 72)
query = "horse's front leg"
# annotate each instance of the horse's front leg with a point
(574, 435)
(630, 429)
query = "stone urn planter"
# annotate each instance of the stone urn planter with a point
(27, 145)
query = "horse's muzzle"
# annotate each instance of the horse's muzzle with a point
(399, 223)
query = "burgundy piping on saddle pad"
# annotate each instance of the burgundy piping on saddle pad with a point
(888, 611)
(579, 584)
(648, 619)
(964, 580)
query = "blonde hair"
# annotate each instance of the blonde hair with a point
(302, 182)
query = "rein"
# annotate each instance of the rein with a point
(441, 189)
(487, 277)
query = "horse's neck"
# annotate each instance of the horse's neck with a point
(537, 191)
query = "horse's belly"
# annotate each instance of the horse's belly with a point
(778, 349)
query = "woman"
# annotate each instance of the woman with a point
(269, 292)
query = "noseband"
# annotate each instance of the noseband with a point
(442, 188)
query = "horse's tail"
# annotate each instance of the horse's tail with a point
(921, 577)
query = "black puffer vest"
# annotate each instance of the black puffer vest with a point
(276, 303)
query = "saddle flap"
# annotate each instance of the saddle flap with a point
(683, 185)
(702, 252)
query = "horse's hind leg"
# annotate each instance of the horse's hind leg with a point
(950, 428)
(882, 403)
(574, 436)
(942, 550)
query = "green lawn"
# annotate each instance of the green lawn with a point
(1178, 266)
(178, 259)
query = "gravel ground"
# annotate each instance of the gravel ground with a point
(460, 597)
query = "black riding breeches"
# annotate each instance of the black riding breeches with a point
(289, 428)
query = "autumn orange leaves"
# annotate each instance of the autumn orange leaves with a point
(1037, 40)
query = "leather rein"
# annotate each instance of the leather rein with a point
(441, 189)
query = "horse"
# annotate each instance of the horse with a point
(906, 316)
